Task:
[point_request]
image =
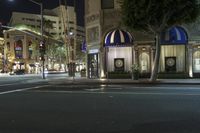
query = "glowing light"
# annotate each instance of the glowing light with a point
(103, 79)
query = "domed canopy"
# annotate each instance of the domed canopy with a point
(174, 35)
(118, 38)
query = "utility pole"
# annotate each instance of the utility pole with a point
(67, 38)
(42, 52)
(63, 17)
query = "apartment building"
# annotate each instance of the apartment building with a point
(60, 23)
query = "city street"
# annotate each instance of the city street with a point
(135, 66)
(30, 105)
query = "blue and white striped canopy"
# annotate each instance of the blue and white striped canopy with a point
(118, 38)
(174, 35)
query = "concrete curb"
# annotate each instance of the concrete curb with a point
(120, 81)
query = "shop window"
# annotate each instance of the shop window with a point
(7, 35)
(107, 4)
(144, 62)
(30, 49)
(196, 61)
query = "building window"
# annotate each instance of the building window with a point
(7, 35)
(8, 46)
(107, 4)
(53, 33)
(19, 49)
(30, 49)
(30, 19)
(93, 34)
(33, 26)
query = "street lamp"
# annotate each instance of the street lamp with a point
(42, 37)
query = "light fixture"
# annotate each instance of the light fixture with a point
(143, 48)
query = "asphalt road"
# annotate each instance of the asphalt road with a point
(28, 105)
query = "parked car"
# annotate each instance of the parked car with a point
(20, 72)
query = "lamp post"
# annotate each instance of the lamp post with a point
(72, 65)
(42, 37)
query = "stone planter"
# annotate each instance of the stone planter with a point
(135, 75)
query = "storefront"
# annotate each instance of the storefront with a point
(173, 50)
(93, 61)
(121, 54)
(119, 51)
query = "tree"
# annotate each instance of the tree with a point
(48, 25)
(155, 16)
(60, 55)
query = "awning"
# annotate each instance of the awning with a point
(174, 35)
(118, 38)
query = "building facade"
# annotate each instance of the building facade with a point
(59, 23)
(102, 17)
(22, 52)
(63, 26)
(19, 51)
(2, 61)
(179, 45)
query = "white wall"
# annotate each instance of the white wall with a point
(119, 52)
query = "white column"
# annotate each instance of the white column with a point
(152, 56)
(190, 60)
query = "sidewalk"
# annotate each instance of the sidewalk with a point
(83, 80)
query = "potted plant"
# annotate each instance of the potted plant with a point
(135, 71)
(83, 72)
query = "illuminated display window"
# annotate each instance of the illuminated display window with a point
(30, 49)
(18, 49)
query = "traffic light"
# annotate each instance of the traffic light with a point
(42, 47)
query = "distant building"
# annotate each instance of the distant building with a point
(61, 18)
(21, 51)
(59, 23)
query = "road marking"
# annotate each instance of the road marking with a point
(97, 89)
(120, 93)
(24, 89)
(101, 89)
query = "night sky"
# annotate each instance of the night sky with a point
(7, 6)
